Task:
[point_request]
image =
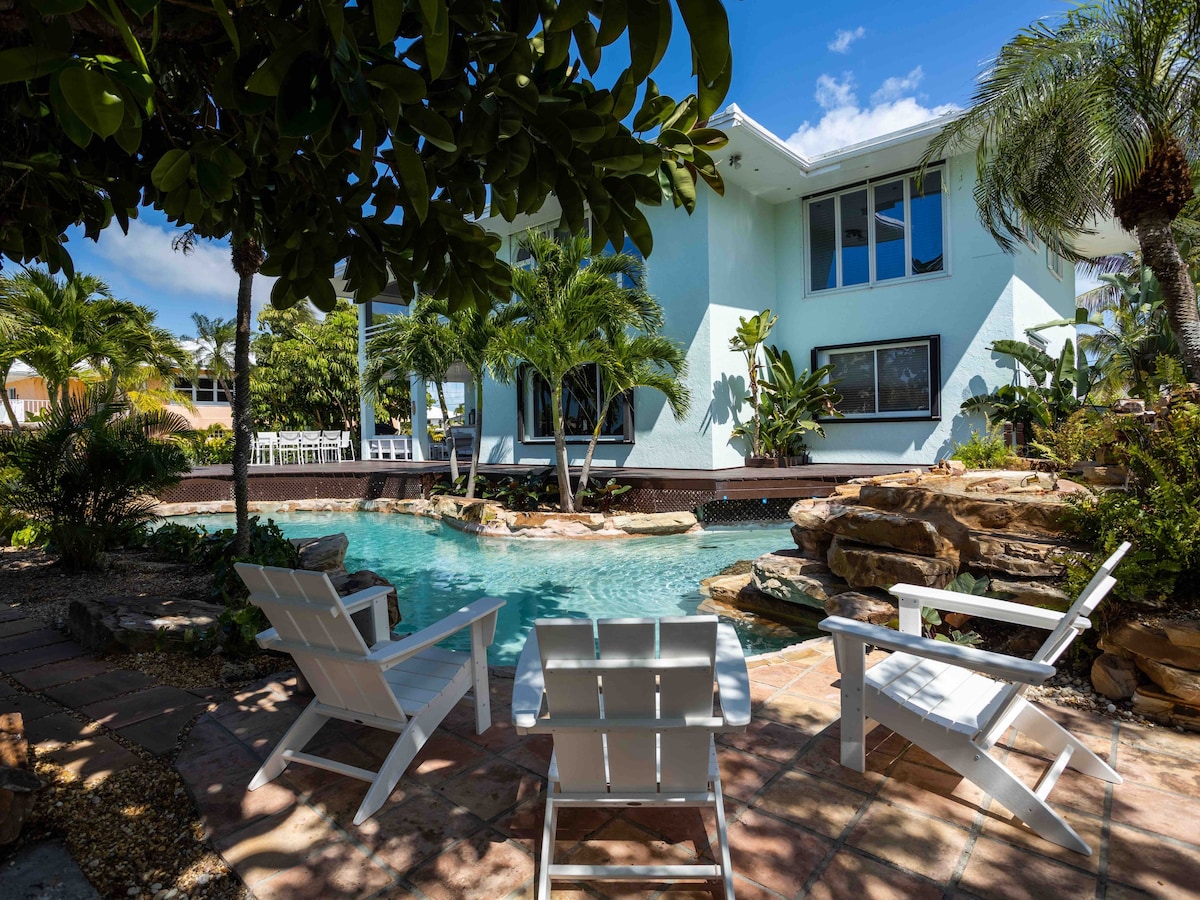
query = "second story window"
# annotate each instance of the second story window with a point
(877, 232)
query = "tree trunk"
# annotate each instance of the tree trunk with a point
(566, 502)
(247, 259)
(64, 400)
(478, 435)
(12, 415)
(1161, 254)
(752, 366)
(449, 432)
(591, 448)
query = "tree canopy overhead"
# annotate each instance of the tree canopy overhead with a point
(328, 131)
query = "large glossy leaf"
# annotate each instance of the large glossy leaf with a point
(435, 28)
(172, 170)
(387, 19)
(407, 83)
(649, 34)
(431, 126)
(94, 98)
(412, 176)
(708, 27)
(26, 63)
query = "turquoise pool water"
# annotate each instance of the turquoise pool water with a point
(437, 569)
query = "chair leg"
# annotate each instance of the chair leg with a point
(479, 679)
(1043, 729)
(852, 660)
(723, 839)
(549, 830)
(294, 738)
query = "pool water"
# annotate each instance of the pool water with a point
(437, 569)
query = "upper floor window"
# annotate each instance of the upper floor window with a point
(202, 390)
(877, 232)
(886, 380)
(1054, 262)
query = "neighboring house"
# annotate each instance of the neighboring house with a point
(895, 284)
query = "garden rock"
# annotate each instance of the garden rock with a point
(864, 566)
(323, 554)
(655, 523)
(1183, 633)
(870, 526)
(1032, 593)
(873, 607)
(350, 583)
(791, 576)
(1020, 557)
(113, 624)
(1153, 643)
(1177, 682)
(1114, 677)
(18, 783)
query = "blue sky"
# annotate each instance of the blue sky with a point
(819, 75)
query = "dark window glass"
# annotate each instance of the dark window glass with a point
(854, 371)
(822, 240)
(856, 257)
(926, 205)
(903, 378)
(183, 385)
(580, 407)
(205, 390)
(888, 223)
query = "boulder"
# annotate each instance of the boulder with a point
(881, 529)
(957, 514)
(812, 543)
(523, 521)
(1129, 406)
(655, 523)
(1183, 633)
(1114, 677)
(954, 467)
(864, 566)
(323, 554)
(790, 576)
(349, 583)
(873, 607)
(726, 588)
(1177, 682)
(1136, 639)
(735, 592)
(115, 624)
(18, 783)
(1031, 593)
(810, 513)
(1019, 557)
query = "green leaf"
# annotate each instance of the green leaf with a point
(621, 154)
(412, 175)
(436, 31)
(569, 14)
(708, 27)
(268, 78)
(93, 97)
(407, 83)
(649, 34)
(387, 19)
(682, 184)
(171, 171)
(27, 63)
(614, 18)
(129, 135)
(431, 126)
(227, 24)
(709, 138)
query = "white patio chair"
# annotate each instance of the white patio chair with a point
(288, 446)
(939, 696)
(345, 446)
(631, 728)
(262, 452)
(341, 646)
(331, 446)
(310, 446)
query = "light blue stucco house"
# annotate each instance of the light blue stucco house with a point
(898, 287)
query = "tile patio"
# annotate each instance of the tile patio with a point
(465, 820)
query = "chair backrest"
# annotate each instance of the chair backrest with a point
(266, 436)
(1089, 598)
(289, 435)
(310, 437)
(632, 722)
(315, 628)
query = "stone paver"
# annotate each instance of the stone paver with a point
(120, 712)
(14, 663)
(59, 673)
(78, 694)
(94, 760)
(465, 821)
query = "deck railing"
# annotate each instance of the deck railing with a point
(27, 409)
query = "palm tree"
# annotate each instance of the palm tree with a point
(142, 352)
(9, 333)
(1085, 117)
(421, 343)
(215, 339)
(566, 310)
(639, 361)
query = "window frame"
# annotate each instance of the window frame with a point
(526, 372)
(905, 177)
(1054, 262)
(934, 343)
(191, 391)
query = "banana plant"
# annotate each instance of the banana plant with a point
(791, 405)
(749, 338)
(1060, 386)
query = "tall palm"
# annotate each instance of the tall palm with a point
(10, 331)
(1090, 115)
(215, 339)
(61, 325)
(141, 352)
(567, 308)
(649, 361)
(420, 343)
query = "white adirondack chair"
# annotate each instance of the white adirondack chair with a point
(939, 695)
(341, 646)
(630, 728)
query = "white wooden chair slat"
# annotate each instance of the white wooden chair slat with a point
(941, 697)
(631, 727)
(406, 686)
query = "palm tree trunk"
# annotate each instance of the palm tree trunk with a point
(1161, 254)
(591, 448)
(449, 433)
(12, 416)
(247, 259)
(566, 502)
(478, 435)
(65, 394)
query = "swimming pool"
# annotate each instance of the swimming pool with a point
(437, 569)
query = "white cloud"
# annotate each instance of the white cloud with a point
(844, 38)
(844, 122)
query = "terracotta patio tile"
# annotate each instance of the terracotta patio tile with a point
(133, 708)
(992, 869)
(818, 686)
(206, 735)
(695, 827)
(1115, 891)
(533, 753)
(1074, 789)
(492, 787)
(742, 774)
(767, 739)
(812, 802)
(409, 832)
(918, 755)
(934, 792)
(851, 874)
(777, 675)
(13, 663)
(1142, 765)
(275, 843)
(1095, 730)
(339, 798)
(219, 780)
(823, 760)
(1163, 813)
(1146, 861)
(1160, 740)
(311, 780)
(760, 693)
(60, 673)
(927, 846)
(800, 712)
(998, 823)
(335, 870)
(29, 636)
(746, 889)
(443, 756)
(483, 866)
(776, 854)
(523, 825)
(621, 843)
(94, 760)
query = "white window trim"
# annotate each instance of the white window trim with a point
(1054, 262)
(195, 387)
(821, 358)
(871, 283)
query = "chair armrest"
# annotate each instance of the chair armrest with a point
(1010, 668)
(529, 686)
(394, 651)
(733, 679)
(987, 607)
(361, 599)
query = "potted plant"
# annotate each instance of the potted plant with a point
(748, 340)
(790, 407)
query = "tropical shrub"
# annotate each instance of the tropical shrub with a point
(523, 493)
(90, 472)
(30, 534)
(1058, 387)
(176, 543)
(789, 406)
(209, 446)
(1159, 513)
(1073, 440)
(984, 451)
(602, 497)
(268, 547)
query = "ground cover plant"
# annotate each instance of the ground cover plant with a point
(986, 450)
